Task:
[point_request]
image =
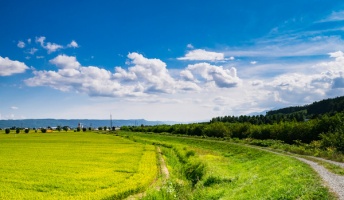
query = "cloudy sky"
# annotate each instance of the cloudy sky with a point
(167, 60)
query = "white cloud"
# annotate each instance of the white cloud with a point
(334, 16)
(65, 62)
(50, 47)
(144, 77)
(32, 51)
(204, 72)
(14, 108)
(190, 46)
(9, 67)
(29, 41)
(201, 54)
(73, 44)
(21, 44)
(253, 62)
(232, 58)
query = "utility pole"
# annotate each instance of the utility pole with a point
(110, 122)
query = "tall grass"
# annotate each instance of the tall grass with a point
(231, 172)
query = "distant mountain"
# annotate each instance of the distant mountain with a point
(326, 106)
(95, 123)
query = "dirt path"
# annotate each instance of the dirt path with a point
(333, 181)
(163, 168)
(164, 176)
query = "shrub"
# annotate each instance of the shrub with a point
(43, 130)
(194, 171)
(84, 129)
(17, 130)
(27, 130)
(7, 130)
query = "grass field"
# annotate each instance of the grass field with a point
(90, 165)
(232, 171)
(73, 165)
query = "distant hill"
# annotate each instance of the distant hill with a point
(326, 106)
(95, 123)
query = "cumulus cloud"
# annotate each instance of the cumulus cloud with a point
(50, 47)
(9, 67)
(203, 55)
(143, 77)
(253, 62)
(65, 62)
(204, 72)
(14, 108)
(73, 44)
(21, 44)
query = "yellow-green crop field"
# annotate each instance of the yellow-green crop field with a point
(74, 165)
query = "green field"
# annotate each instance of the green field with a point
(73, 166)
(90, 165)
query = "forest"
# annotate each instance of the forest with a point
(319, 123)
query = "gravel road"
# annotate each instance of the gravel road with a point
(333, 181)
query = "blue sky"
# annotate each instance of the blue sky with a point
(167, 60)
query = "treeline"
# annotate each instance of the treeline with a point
(299, 116)
(326, 106)
(327, 128)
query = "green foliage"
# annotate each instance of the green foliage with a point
(84, 129)
(27, 130)
(17, 130)
(65, 128)
(100, 128)
(7, 130)
(43, 130)
(194, 171)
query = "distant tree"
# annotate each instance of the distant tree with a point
(27, 130)
(7, 130)
(105, 128)
(43, 130)
(17, 130)
(78, 129)
(100, 128)
(89, 128)
(84, 129)
(113, 128)
(58, 128)
(65, 128)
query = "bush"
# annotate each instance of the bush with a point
(43, 130)
(194, 171)
(17, 130)
(27, 130)
(84, 129)
(7, 130)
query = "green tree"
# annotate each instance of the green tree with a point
(27, 130)
(17, 130)
(7, 130)
(65, 128)
(43, 130)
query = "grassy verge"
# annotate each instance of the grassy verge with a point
(73, 165)
(209, 169)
